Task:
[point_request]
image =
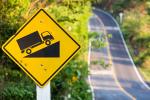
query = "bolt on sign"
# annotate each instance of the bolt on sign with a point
(41, 47)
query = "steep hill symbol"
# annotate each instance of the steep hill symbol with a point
(49, 51)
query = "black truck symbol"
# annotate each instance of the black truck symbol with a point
(34, 39)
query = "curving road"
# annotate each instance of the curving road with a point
(124, 68)
(102, 80)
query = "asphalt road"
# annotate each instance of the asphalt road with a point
(102, 79)
(125, 71)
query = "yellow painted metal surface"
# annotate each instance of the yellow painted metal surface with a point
(39, 64)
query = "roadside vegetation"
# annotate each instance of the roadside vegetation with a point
(73, 16)
(70, 83)
(135, 27)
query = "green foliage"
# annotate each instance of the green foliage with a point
(98, 44)
(148, 7)
(131, 24)
(15, 85)
(101, 62)
(119, 5)
(15, 91)
(94, 35)
(146, 73)
(136, 30)
(98, 39)
(74, 20)
(11, 18)
(71, 81)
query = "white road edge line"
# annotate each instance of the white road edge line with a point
(112, 68)
(89, 56)
(137, 72)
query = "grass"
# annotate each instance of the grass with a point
(101, 62)
(137, 35)
(145, 73)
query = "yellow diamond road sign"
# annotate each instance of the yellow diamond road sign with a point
(41, 47)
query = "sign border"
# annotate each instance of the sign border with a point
(12, 57)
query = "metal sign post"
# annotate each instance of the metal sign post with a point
(43, 93)
(121, 17)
